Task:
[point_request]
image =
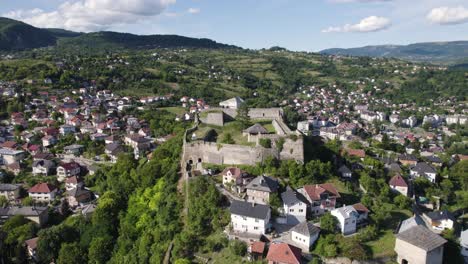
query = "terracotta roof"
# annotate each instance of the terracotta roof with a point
(32, 243)
(314, 191)
(235, 172)
(257, 247)
(360, 208)
(10, 144)
(397, 180)
(42, 188)
(70, 165)
(356, 152)
(72, 180)
(284, 253)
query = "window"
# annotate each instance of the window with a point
(256, 220)
(291, 210)
(301, 210)
(244, 218)
(255, 227)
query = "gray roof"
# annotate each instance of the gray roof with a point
(43, 163)
(434, 159)
(423, 167)
(306, 229)
(344, 169)
(25, 211)
(6, 187)
(256, 129)
(292, 197)
(75, 192)
(422, 237)
(263, 183)
(259, 211)
(416, 220)
(440, 215)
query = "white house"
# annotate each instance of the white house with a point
(249, 218)
(347, 219)
(294, 206)
(422, 169)
(42, 192)
(67, 170)
(440, 220)
(411, 121)
(322, 197)
(233, 103)
(42, 167)
(398, 184)
(304, 235)
(464, 243)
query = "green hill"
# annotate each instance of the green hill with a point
(109, 40)
(62, 33)
(16, 35)
(437, 52)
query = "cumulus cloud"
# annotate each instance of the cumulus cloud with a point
(92, 15)
(193, 10)
(368, 24)
(448, 15)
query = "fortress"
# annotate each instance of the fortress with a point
(285, 144)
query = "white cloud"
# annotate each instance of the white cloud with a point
(368, 24)
(448, 15)
(193, 10)
(91, 15)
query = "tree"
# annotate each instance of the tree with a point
(100, 249)
(227, 139)
(3, 201)
(402, 202)
(28, 201)
(243, 116)
(265, 142)
(328, 223)
(71, 253)
(353, 249)
(237, 247)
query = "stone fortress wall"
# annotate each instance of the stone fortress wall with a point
(199, 151)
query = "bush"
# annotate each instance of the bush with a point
(369, 233)
(238, 248)
(328, 223)
(265, 142)
(227, 139)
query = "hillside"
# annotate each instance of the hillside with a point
(436, 52)
(16, 35)
(109, 40)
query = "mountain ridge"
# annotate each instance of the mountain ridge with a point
(446, 52)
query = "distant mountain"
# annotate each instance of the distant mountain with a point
(436, 52)
(16, 35)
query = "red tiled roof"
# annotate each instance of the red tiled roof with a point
(32, 243)
(10, 144)
(70, 165)
(42, 188)
(284, 253)
(314, 191)
(397, 180)
(356, 152)
(72, 180)
(360, 208)
(257, 247)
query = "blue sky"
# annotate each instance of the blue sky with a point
(309, 25)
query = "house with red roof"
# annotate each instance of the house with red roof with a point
(360, 153)
(31, 245)
(282, 253)
(256, 251)
(322, 197)
(398, 184)
(43, 192)
(235, 177)
(68, 169)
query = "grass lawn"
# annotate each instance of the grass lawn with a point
(383, 247)
(174, 109)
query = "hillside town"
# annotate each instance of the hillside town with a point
(53, 143)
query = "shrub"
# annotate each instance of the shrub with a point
(265, 142)
(238, 248)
